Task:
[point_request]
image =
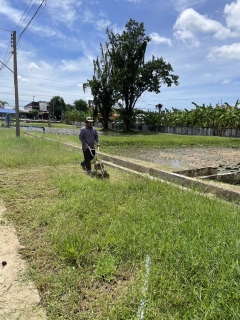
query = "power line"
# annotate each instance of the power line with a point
(49, 80)
(7, 56)
(5, 30)
(18, 25)
(53, 88)
(54, 81)
(31, 19)
(9, 50)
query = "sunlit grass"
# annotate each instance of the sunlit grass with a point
(27, 152)
(113, 142)
(86, 240)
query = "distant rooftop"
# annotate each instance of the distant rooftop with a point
(7, 111)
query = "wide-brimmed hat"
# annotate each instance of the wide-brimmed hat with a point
(89, 119)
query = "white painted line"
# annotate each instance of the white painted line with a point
(142, 306)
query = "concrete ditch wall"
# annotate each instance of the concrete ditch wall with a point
(176, 178)
(221, 191)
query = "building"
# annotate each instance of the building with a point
(41, 106)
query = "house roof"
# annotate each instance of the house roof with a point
(32, 104)
(7, 111)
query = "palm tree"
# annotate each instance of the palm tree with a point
(159, 107)
(3, 103)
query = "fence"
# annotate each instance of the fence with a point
(194, 131)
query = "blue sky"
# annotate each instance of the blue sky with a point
(200, 38)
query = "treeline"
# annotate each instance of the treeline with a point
(224, 116)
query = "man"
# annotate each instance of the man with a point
(88, 136)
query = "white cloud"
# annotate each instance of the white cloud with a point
(16, 16)
(45, 66)
(64, 11)
(190, 23)
(181, 5)
(156, 38)
(71, 66)
(232, 12)
(21, 79)
(82, 64)
(231, 52)
(226, 81)
(33, 66)
(102, 24)
(11, 13)
(88, 16)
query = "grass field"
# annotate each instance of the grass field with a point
(122, 248)
(145, 140)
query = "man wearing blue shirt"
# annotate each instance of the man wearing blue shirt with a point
(88, 136)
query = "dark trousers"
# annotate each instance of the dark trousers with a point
(88, 158)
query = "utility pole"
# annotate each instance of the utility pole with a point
(16, 82)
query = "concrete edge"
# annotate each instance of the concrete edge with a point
(176, 178)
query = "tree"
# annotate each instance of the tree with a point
(34, 113)
(3, 103)
(74, 115)
(81, 105)
(57, 107)
(69, 107)
(159, 107)
(131, 75)
(102, 86)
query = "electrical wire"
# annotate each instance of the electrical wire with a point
(9, 51)
(50, 80)
(7, 56)
(23, 19)
(32, 19)
(5, 30)
(54, 81)
(40, 12)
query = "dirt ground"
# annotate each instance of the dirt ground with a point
(188, 158)
(18, 297)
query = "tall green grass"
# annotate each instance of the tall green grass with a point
(27, 152)
(87, 242)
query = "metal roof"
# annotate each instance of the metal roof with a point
(7, 111)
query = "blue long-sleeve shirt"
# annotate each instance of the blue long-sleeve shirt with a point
(88, 136)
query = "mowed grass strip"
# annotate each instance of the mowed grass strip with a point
(87, 240)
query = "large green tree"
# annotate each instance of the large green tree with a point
(131, 75)
(57, 107)
(101, 85)
(81, 105)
